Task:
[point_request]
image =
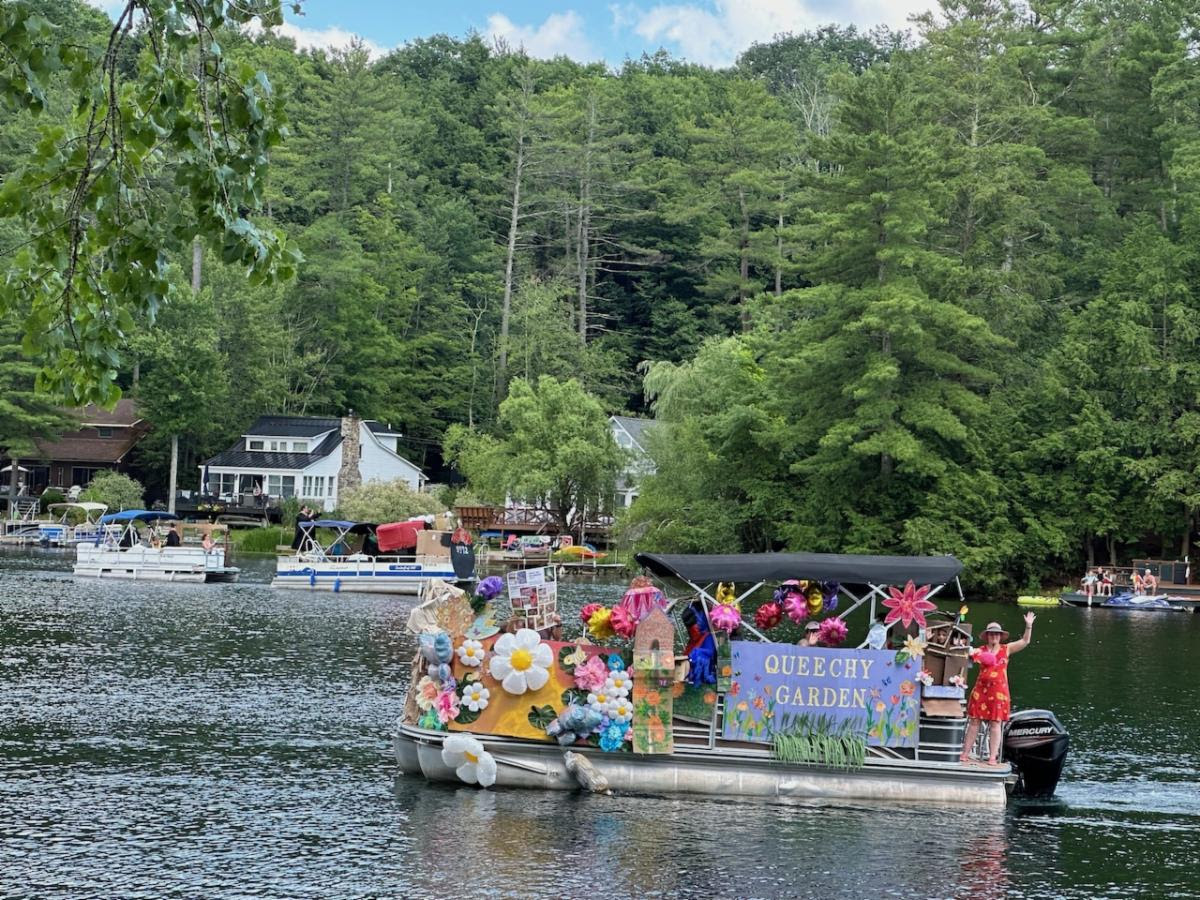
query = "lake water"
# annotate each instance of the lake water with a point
(231, 740)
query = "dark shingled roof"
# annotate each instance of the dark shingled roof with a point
(305, 426)
(86, 445)
(239, 457)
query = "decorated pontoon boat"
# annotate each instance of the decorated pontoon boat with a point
(708, 694)
(397, 558)
(122, 549)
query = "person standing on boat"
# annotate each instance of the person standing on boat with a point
(305, 515)
(990, 700)
(173, 536)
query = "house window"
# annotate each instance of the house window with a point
(82, 475)
(255, 445)
(299, 446)
(281, 485)
(223, 484)
(313, 487)
(104, 432)
(623, 440)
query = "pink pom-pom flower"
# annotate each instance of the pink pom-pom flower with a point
(586, 612)
(623, 621)
(768, 615)
(986, 658)
(726, 617)
(832, 632)
(796, 606)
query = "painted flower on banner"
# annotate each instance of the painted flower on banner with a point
(470, 762)
(909, 605)
(620, 710)
(427, 692)
(470, 652)
(619, 684)
(592, 674)
(521, 662)
(475, 696)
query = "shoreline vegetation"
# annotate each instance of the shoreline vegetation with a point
(933, 291)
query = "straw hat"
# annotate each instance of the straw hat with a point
(994, 628)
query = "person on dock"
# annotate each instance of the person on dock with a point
(990, 699)
(1149, 582)
(1090, 580)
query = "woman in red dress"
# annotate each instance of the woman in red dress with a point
(990, 700)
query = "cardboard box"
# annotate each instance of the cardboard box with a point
(433, 543)
(933, 706)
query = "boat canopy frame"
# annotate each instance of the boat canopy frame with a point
(876, 573)
(311, 546)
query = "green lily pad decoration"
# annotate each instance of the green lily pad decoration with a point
(541, 716)
(574, 695)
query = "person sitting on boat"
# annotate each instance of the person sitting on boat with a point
(1138, 584)
(1106, 583)
(812, 632)
(173, 539)
(1149, 582)
(1090, 580)
(990, 699)
(207, 543)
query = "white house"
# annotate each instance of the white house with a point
(630, 435)
(309, 458)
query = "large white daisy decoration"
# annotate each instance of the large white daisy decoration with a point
(619, 684)
(470, 652)
(470, 762)
(475, 696)
(521, 662)
(600, 698)
(620, 709)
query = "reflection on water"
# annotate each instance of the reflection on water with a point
(188, 740)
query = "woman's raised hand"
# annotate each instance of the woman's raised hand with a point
(1029, 617)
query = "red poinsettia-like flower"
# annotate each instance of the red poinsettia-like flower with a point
(908, 605)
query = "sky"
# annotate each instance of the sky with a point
(711, 32)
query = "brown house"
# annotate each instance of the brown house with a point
(102, 441)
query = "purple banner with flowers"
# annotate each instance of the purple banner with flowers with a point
(780, 687)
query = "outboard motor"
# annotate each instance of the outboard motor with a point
(1035, 744)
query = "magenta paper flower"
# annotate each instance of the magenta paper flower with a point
(446, 706)
(586, 612)
(796, 606)
(726, 617)
(624, 623)
(768, 615)
(592, 674)
(833, 632)
(908, 605)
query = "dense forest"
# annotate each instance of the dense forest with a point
(931, 291)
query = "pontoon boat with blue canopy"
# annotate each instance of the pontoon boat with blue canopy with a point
(120, 550)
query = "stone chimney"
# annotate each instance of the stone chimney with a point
(349, 475)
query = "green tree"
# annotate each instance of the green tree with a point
(26, 414)
(115, 490)
(167, 143)
(553, 449)
(386, 501)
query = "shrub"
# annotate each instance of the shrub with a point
(51, 495)
(386, 501)
(115, 490)
(289, 511)
(261, 540)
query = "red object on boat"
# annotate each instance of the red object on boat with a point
(399, 535)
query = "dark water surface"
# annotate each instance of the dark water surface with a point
(231, 740)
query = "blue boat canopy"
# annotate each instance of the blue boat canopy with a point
(141, 515)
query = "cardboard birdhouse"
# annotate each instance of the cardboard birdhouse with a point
(654, 650)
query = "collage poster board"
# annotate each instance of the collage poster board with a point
(533, 594)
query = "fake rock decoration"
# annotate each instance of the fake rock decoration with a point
(521, 662)
(471, 763)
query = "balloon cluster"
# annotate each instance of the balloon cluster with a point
(801, 599)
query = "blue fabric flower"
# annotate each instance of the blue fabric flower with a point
(612, 738)
(616, 663)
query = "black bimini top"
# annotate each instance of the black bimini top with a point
(701, 568)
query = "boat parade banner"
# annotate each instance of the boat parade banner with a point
(780, 687)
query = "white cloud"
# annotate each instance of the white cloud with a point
(109, 6)
(561, 34)
(714, 34)
(330, 38)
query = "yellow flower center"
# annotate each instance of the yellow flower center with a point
(521, 659)
(471, 757)
(470, 651)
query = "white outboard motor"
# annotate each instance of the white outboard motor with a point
(1035, 744)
